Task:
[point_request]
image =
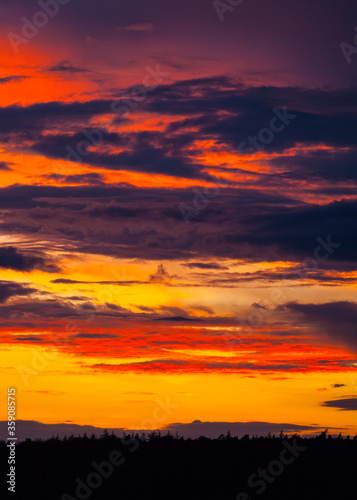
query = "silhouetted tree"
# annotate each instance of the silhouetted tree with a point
(171, 467)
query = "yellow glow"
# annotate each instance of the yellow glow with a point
(294, 399)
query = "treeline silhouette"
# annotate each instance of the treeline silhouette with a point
(167, 467)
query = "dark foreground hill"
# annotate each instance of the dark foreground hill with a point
(168, 468)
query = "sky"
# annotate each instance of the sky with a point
(178, 213)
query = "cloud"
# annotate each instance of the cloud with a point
(95, 336)
(346, 404)
(147, 224)
(7, 79)
(28, 339)
(139, 27)
(309, 126)
(114, 211)
(336, 386)
(10, 289)
(90, 178)
(30, 120)
(66, 67)
(161, 275)
(178, 319)
(213, 430)
(30, 429)
(226, 117)
(31, 312)
(64, 281)
(204, 265)
(4, 166)
(328, 164)
(140, 152)
(11, 258)
(337, 319)
(193, 366)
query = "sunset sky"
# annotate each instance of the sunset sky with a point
(178, 212)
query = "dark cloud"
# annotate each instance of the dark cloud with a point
(4, 166)
(29, 339)
(296, 230)
(9, 289)
(90, 179)
(61, 281)
(305, 275)
(163, 365)
(24, 312)
(161, 275)
(249, 110)
(142, 153)
(95, 336)
(336, 386)
(57, 307)
(204, 265)
(8, 79)
(228, 116)
(213, 430)
(65, 67)
(147, 224)
(335, 166)
(30, 429)
(336, 319)
(29, 120)
(74, 282)
(11, 258)
(178, 319)
(116, 211)
(346, 404)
